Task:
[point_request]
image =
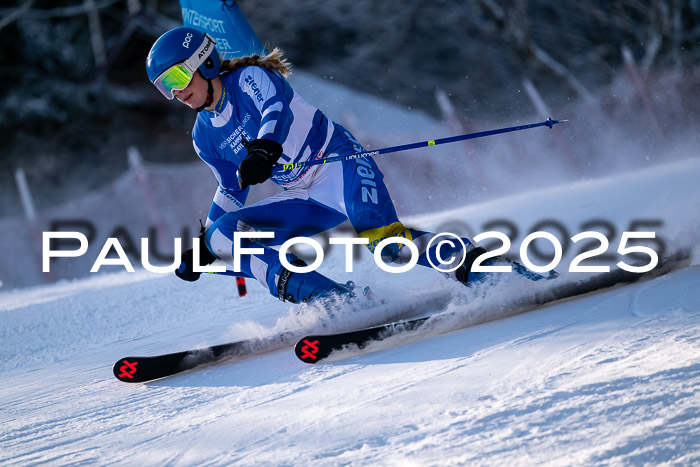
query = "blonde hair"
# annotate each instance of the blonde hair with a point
(273, 61)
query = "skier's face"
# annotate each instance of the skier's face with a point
(195, 94)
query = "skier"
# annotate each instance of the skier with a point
(249, 119)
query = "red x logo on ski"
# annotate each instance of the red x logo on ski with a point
(309, 350)
(127, 369)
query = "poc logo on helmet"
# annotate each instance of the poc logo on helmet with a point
(188, 39)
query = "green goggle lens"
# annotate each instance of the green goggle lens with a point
(175, 78)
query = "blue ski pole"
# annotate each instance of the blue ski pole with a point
(432, 142)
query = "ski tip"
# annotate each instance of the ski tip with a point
(125, 370)
(307, 350)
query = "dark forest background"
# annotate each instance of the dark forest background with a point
(75, 95)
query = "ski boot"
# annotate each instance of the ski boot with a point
(298, 287)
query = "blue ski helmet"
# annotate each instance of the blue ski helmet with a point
(177, 55)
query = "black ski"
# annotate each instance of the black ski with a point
(315, 348)
(149, 368)
(144, 369)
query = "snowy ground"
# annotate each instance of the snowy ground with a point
(608, 378)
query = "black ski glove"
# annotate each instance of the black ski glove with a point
(186, 269)
(257, 166)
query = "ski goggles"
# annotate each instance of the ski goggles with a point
(178, 76)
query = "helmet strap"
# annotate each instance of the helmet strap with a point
(210, 96)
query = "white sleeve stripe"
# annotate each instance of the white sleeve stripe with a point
(267, 128)
(275, 107)
(299, 129)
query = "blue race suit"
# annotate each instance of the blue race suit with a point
(257, 103)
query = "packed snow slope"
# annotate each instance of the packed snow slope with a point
(607, 378)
